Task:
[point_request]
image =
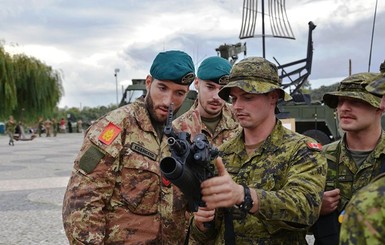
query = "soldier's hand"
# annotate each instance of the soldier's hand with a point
(195, 126)
(330, 201)
(203, 215)
(221, 191)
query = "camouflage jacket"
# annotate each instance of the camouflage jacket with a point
(116, 194)
(288, 173)
(344, 173)
(10, 127)
(364, 219)
(226, 129)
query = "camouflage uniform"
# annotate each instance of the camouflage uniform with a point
(287, 171)
(289, 178)
(364, 219)
(121, 196)
(343, 172)
(116, 194)
(226, 129)
(10, 127)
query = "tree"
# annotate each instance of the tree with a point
(7, 84)
(28, 87)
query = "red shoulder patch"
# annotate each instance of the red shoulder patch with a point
(109, 133)
(314, 146)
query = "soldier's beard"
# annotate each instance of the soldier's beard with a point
(151, 110)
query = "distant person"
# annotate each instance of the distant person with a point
(10, 127)
(210, 114)
(55, 127)
(69, 126)
(62, 125)
(270, 179)
(79, 126)
(355, 159)
(116, 194)
(20, 131)
(40, 126)
(48, 127)
(382, 67)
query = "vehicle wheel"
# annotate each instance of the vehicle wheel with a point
(318, 135)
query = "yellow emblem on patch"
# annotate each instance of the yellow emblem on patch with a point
(109, 133)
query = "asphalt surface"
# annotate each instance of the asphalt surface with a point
(33, 178)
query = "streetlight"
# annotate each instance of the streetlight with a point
(116, 80)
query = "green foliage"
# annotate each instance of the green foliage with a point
(7, 84)
(317, 94)
(87, 114)
(28, 87)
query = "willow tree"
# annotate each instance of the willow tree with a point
(39, 87)
(8, 101)
(29, 88)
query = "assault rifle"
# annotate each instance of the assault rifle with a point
(189, 164)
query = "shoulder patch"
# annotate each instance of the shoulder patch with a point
(109, 133)
(90, 159)
(314, 146)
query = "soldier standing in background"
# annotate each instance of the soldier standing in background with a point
(48, 127)
(355, 159)
(382, 67)
(116, 194)
(210, 114)
(40, 126)
(55, 126)
(270, 179)
(364, 218)
(62, 125)
(10, 127)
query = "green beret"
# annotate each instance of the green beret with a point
(354, 86)
(215, 69)
(173, 65)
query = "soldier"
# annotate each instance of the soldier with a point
(10, 127)
(40, 126)
(116, 194)
(270, 179)
(210, 114)
(355, 159)
(48, 127)
(364, 218)
(382, 67)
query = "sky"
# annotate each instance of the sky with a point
(86, 40)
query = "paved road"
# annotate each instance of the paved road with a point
(33, 177)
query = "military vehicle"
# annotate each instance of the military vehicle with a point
(308, 117)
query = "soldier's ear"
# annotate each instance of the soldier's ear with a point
(274, 95)
(196, 83)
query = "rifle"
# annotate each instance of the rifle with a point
(189, 164)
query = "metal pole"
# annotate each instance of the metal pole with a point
(116, 80)
(263, 29)
(371, 41)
